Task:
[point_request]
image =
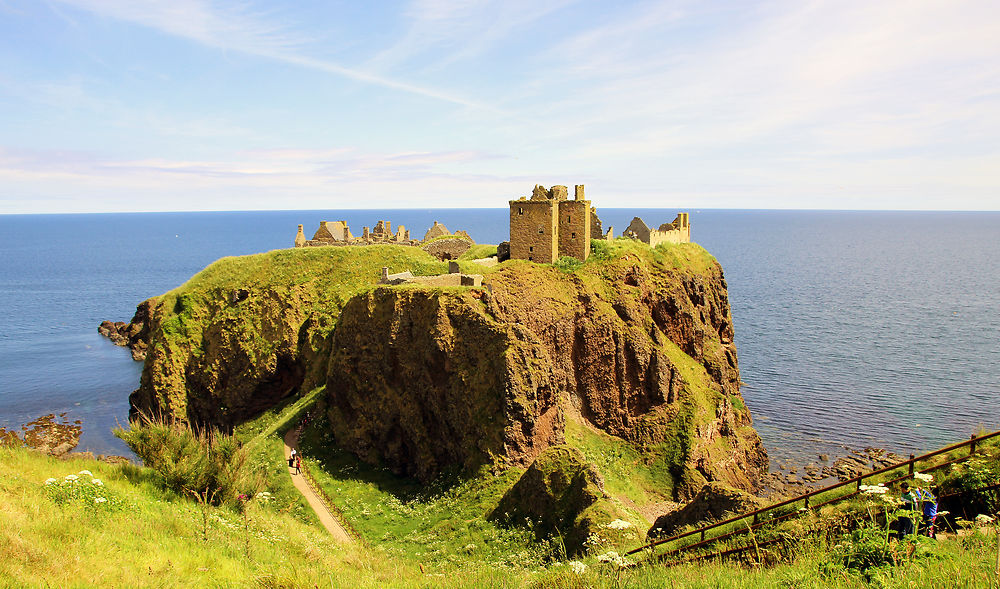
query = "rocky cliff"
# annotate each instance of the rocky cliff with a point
(638, 342)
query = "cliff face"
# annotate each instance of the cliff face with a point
(636, 341)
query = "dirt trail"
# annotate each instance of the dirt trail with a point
(322, 512)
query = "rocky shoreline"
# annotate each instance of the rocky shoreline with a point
(790, 480)
(54, 435)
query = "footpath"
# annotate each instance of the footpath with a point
(318, 505)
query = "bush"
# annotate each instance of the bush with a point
(208, 463)
(972, 480)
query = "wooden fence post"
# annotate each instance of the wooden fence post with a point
(972, 444)
(911, 464)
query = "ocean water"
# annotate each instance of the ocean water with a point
(853, 328)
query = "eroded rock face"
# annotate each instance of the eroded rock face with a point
(423, 379)
(713, 502)
(560, 494)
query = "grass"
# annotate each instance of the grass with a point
(479, 251)
(442, 525)
(156, 538)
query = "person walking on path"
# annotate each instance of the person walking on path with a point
(298, 464)
(291, 459)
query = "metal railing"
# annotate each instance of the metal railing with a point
(805, 500)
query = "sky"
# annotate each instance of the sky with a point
(188, 105)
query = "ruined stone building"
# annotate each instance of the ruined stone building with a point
(338, 233)
(678, 231)
(549, 225)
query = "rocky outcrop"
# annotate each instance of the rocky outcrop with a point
(422, 379)
(561, 495)
(713, 502)
(48, 434)
(133, 335)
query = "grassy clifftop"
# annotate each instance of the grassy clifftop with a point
(634, 344)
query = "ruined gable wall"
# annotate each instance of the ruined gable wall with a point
(574, 228)
(639, 228)
(679, 231)
(533, 230)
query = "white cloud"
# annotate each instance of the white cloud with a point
(237, 28)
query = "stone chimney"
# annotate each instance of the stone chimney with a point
(385, 274)
(300, 238)
(579, 192)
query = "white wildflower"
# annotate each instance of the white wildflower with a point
(97, 482)
(469, 547)
(873, 489)
(50, 481)
(614, 558)
(923, 477)
(71, 477)
(87, 472)
(983, 519)
(577, 567)
(619, 524)
(100, 500)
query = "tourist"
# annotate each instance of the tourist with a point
(910, 504)
(298, 465)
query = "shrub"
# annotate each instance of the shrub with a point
(206, 463)
(975, 482)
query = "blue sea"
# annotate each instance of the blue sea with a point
(853, 328)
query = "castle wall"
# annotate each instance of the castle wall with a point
(574, 228)
(534, 230)
(679, 231)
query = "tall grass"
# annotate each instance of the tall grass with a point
(205, 463)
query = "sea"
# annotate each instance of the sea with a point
(853, 328)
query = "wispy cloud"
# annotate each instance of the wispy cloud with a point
(236, 27)
(441, 32)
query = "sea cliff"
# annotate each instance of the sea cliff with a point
(636, 342)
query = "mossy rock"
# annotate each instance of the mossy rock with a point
(560, 495)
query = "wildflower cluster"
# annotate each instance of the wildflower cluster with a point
(926, 478)
(878, 489)
(613, 558)
(619, 524)
(88, 492)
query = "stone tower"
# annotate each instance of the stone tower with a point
(549, 225)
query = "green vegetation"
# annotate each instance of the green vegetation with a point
(479, 251)
(442, 524)
(209, 464)
(689, 256)
(54, 532)
(629, 475)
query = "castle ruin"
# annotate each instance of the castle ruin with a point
(678, 231)
(549, 225)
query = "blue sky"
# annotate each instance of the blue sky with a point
(129, 105)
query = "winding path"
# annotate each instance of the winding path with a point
(322, 511)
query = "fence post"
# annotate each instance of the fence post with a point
(755, 518)
(972, 444)
(703, 534)
(911, 464)
(807, 502)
